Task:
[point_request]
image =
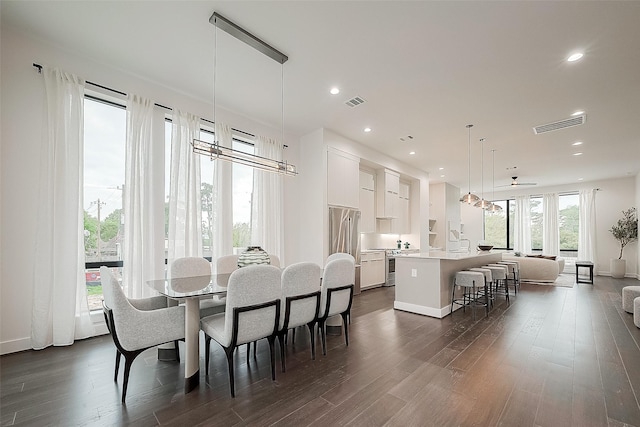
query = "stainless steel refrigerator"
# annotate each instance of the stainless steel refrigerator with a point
(343, 231)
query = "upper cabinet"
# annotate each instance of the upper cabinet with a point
(343, 178)
(387, 192)
(404, 219)
(367, 203)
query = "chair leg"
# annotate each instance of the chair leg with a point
(248, 351)
(255, 348)
(127, 368)
(281, 338)
(312, 327)
(272, 355)
(323, 336)
(177, 350)
(115, 376)
(293, 339)
(229, 352)
(345, 317)
(207, 346)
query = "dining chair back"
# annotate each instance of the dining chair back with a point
(340, 255)
(136, 329)
(336, 295)
(274, 260)
(194, 267)
(252, 313)
(227, 264)
(300, 302)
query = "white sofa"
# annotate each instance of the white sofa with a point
(533, 269)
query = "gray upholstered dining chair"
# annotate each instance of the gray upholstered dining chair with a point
(226, 264)
(252, 313)
(340, 255)
(197, 266)
(300, 302)
(137, 325)
(336, 295)
(274, 260)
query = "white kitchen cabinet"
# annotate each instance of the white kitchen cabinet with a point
(343, 179)
(404, 219)
(367, 203)
(372, 269)
(387, 194)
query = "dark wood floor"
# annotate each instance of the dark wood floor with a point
(555, 357)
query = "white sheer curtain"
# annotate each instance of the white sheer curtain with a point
(522, 229)
(60, 312)
(185, 210)
(267, 206)
(222, 199)
(550, 224)
(143, 256)
(587, 226)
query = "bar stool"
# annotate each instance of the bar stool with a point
(469, 281)
(513, 273)
(499, 276)
(488, 279)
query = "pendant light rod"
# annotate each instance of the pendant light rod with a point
(246, 37)
(469, 198)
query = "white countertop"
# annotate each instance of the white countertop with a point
(448, 255)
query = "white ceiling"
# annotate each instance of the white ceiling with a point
(425, 69)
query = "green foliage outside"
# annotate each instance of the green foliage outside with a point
(496, 227)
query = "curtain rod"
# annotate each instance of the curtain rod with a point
(39, 67)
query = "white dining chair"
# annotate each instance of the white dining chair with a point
(340, 255)
(133, 329)
(252, 313)
(300, 302)
(194, 267)
(226, 264)
(336, 296)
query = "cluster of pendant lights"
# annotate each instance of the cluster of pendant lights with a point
(472, 199)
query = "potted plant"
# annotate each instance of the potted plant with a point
(625, 232)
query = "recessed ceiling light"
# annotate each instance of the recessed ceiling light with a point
(575, 56)
(440, 169)
(412, 152)
(577, 113)
(441, 176)
(580, 179)
(577, 143)
(334, 91)
(577, 154)
(367, 129)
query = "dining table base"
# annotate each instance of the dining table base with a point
(192, 344)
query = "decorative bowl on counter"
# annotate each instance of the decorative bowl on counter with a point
(485, 247)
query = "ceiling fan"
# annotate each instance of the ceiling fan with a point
(515, 183)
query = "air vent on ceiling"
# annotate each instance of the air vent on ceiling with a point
(567, 123)
(355, 101)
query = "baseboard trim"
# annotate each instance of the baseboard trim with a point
(421, 309)
(14, 346)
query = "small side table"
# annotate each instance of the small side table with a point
(585, 264)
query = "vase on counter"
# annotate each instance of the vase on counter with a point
(253, 255)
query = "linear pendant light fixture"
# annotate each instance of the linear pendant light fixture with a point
(215, 150)
(469, 198)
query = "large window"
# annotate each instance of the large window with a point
(104, 171)
(569, 214)
(499, 226)
(536, 223)
(242, 191)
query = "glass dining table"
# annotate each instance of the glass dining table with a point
(192, 290)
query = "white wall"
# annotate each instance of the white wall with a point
(22, 109)
(615, 195)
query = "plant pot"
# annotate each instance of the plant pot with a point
(618, 268)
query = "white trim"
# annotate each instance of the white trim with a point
(421, 309)
(14, 346)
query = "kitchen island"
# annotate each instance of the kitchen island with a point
(424, 280)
